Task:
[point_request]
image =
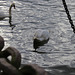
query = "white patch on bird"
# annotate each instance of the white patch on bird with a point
(41, 34)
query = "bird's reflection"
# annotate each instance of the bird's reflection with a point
(10, 22)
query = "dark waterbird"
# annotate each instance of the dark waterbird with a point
(41, 37)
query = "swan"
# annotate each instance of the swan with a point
(41, 37)
(2, 15)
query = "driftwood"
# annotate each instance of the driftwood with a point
(68, 15)
(7, 68)
(32, 69)
(1, 43)
(15, 56)
(13, 66)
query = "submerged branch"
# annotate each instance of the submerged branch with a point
(68, 15)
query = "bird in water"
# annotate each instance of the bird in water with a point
(2, 15)
(41, 37)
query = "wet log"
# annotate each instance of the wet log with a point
(7, 68)
(32, 69)
(1, 43)
(15, 56)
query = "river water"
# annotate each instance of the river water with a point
(31, 15)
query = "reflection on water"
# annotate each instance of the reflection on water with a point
(31, 15)
(62, 70)
(10, 22)
(73, 39)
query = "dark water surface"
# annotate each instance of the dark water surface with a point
(31, 15)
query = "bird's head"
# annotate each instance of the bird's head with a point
(13, 5)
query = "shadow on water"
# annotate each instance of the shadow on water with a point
(61, 70)
(45, 0)
(41, 52)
